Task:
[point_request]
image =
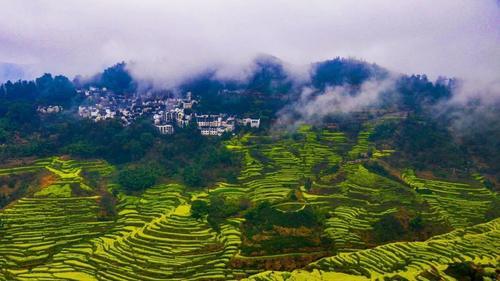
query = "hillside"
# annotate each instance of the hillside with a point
(351, 174)
(190, 140)
(434, 259)
(314, 204)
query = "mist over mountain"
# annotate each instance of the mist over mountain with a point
(168, 42)
(328, 91)
(11, 71)
(336, 85)
(262, 140)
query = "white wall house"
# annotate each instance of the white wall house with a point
(254, 123)
(166, 129)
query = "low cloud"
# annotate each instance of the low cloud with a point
(473, 107)
(166, 41)
(477, 91)
(313, 106)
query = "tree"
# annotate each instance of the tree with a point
(199, 209)
(108, 210)
(425, 142)
(340, 71)
(192, 176)
(55, 90)
(308, 184)
(117, 79)
(137, 178)
(81, 149)
(221, 208)
(417, 224)
(388, 228)
(4, 135)
(21, 113)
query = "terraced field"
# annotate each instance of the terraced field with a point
(57, 232)
(362, 197)
(33, 167)
(356, 203)
(59, 237)
(283, 163)
(362, 146)
(406, 260)
(35, 228)
(460, 204)
(60, 167)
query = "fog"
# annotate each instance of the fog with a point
(166, 41)
(313, 105)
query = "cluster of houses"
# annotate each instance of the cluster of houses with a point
(179, 114)
(209, 125)
(101, 104)
(167, 113)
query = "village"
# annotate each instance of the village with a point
(166, 113)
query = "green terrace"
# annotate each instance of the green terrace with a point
(34, 229)
(65, 168)
(57, 232)
(274, 167)
(153, 238)
(37, 227)
(460, 204)
(356, 203)
(405, 260)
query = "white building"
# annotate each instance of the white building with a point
(166, 129)
(214, 131)
(50, 109)
(215, 125)
(253, 123)
(187, 105)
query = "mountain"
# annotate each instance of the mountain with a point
(11, 71)
(356, 173)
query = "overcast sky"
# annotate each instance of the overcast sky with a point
(169, 39)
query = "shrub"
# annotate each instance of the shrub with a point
(417, 224)
(264, 217)
(465, 271)
(192, 176)
(221, 208)
(107, 204)
(199, 209)
(308, 184)
(388, 228)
